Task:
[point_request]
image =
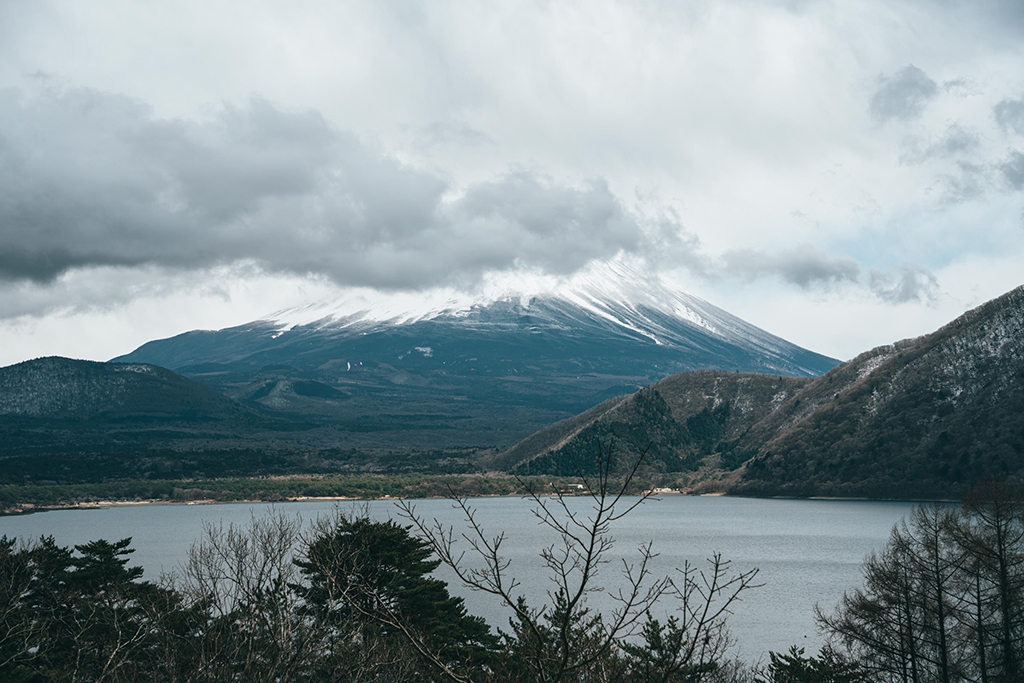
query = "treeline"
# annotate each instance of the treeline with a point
(944, 601)
(72, 461)
(21, 497)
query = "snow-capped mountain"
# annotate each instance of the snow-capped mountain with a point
(496, 362)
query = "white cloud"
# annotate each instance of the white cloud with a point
(519, 135)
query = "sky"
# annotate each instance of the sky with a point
(842, 174)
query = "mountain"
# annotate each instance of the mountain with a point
(65, 420)
(465, 372)
(925, 417)
(66, 389)
(73, 421)
(684, 423)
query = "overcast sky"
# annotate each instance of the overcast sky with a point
(842, 174)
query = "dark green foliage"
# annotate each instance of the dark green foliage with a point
(536, 649)
(795, 667)
(359, 571)
(317, 390)
(684, 423)
(708, 426)
(661, 655)
(272, 489)
(644, 425)
(82, 616)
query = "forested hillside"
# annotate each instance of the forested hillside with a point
(683, 422)
(926, 417)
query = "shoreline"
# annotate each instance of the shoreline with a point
(30, 509)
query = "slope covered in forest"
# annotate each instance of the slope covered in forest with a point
(925, 417)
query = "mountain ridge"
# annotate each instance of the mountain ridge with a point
(929, 416)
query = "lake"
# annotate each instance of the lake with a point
(808, 551)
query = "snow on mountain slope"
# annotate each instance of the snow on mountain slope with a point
(615, 297)
(490, 367)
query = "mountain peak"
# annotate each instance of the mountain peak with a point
(597, 287)
(477, 369)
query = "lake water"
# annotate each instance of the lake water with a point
(808, 551)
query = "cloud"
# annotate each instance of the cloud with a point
(903, 284)
(964, 175)
(968, 181)
(101, 289)
(94, 179)
(1013, 171)
(454, 133)
(903, 95)
(962, 87)
(1010, 114)
(956, 141)
(806, 267)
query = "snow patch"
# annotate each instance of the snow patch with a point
(133, 367)
(872, 364)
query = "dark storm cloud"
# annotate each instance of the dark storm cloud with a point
(89, 178)
(1010, 115)
(807, 267)
(904, 283)
(903, 95)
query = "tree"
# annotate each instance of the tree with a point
(991, 532)
(371, 582)
(795, 667)
(81, 615)
(567, 641)
(237, 586)
(944, 601)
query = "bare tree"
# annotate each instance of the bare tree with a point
(944, 601)
(905, 624)
(991, 532)
(239, 579)
(692, 645)
(565, 640)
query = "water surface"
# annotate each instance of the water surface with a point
(808, 551)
